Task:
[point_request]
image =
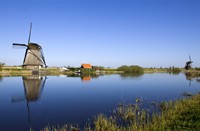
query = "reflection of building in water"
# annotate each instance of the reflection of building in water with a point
(33, 85)
(86, 78)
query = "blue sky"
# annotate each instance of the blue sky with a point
(110, 33)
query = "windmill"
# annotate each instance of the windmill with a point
(34, 57)
(188, 64)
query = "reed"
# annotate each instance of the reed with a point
(173, 115)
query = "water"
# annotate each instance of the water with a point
(56, 100)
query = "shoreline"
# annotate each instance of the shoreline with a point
(18, 71)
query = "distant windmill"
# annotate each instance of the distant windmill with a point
(188, 64)
(34, 57)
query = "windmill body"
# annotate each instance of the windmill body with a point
(34, 58)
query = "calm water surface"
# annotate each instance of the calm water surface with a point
(54, 100)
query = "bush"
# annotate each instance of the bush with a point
(87, 71)
(131, 69)
(197, 68)
(176, 70)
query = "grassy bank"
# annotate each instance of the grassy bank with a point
(163, 70)
(179, 115)
(15, 72)
(134, 69)
(174, 115)
(111, 71)
(19, 71)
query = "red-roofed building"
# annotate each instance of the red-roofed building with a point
(86, 66)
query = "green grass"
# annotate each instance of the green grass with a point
(179, 115)
(110, 69)
(155, 70)
(174, 115)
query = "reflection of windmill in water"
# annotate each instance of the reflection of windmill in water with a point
(188, 77)
(34, 58)
(33, 86)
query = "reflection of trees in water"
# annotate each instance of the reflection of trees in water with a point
(126, 75)
(1, 78)
(174, 73)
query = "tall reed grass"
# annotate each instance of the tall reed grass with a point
(173, 115)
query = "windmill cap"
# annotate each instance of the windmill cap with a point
(34, 45)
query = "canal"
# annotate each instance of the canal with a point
(36, 101)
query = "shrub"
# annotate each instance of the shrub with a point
(131, 69)
(176, 70)
(197, 68)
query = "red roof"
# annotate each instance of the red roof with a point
(87, 66)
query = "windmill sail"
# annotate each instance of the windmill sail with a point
(17, 44)
(29, 37)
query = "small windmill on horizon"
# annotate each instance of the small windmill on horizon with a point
(34, 57)
(188, 64)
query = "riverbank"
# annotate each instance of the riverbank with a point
(19, 71)
(174, 115)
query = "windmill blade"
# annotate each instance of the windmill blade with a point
(189, 58)
(29, 38)
(190, 83)
(42, 55)
(37, 57)
(44, 62)
(17, 44)
(42, 87)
